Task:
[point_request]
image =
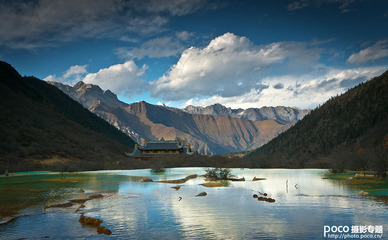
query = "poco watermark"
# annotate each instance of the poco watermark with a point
(353, 232)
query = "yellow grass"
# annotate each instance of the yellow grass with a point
(212, 184)
(178, 181)
(67, 179)
(53, 160)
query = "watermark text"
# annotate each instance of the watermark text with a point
(353, 232)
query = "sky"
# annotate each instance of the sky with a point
(241, 54)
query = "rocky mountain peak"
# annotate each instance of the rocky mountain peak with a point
(78, 85)
(282, 115)
(82, 87)
(110, 94)
(87, 94)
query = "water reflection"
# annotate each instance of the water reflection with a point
(137, 210)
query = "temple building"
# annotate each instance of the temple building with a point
(151, 148)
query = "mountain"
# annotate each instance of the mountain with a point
(89, 95)
(282, 115)
(40, 126)
(349, 128)
(211, 134)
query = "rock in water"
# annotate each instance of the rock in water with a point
(146, 179)
(362, 193)
(258, 179)
(80, 190)
(202, 194)
(192, 176)
(103, 230)
(79, 201)
(90, 220)
(264, 199)
(94, 196)
(61, 205)
(95, 222)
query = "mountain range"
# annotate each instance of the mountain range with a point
(282, 115)
(42, 128)
(213, 130)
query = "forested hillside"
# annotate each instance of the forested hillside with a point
(41, 126)
(355, 122)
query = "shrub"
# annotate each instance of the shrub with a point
(218, 173)
(158, 170)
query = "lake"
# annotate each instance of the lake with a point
(304, 204)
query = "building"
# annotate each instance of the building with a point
(151, 148)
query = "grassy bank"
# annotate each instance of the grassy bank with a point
(356, 179)
(122, 162)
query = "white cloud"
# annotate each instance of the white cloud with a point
(123, 78)
(52, 78)
(229, 66)
(304, 91)
(76, 70)
(73, 75)
(374, 52)
(120, 78)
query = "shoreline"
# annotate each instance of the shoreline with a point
(369, 183)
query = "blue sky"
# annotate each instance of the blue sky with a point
(238, 53)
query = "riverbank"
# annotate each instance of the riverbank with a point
(356, 179)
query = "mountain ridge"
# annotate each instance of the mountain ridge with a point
(281, 114)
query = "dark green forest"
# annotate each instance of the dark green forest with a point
(344, 131)
(40, 122)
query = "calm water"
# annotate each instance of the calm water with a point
(136, 210)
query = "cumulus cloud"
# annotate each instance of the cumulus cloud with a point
(73, 75)
(76, 71)
(41, 23)
(305, 91)
(229, 66)
(120, 78)
(374, 52)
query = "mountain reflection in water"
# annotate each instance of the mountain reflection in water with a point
(143, 210)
